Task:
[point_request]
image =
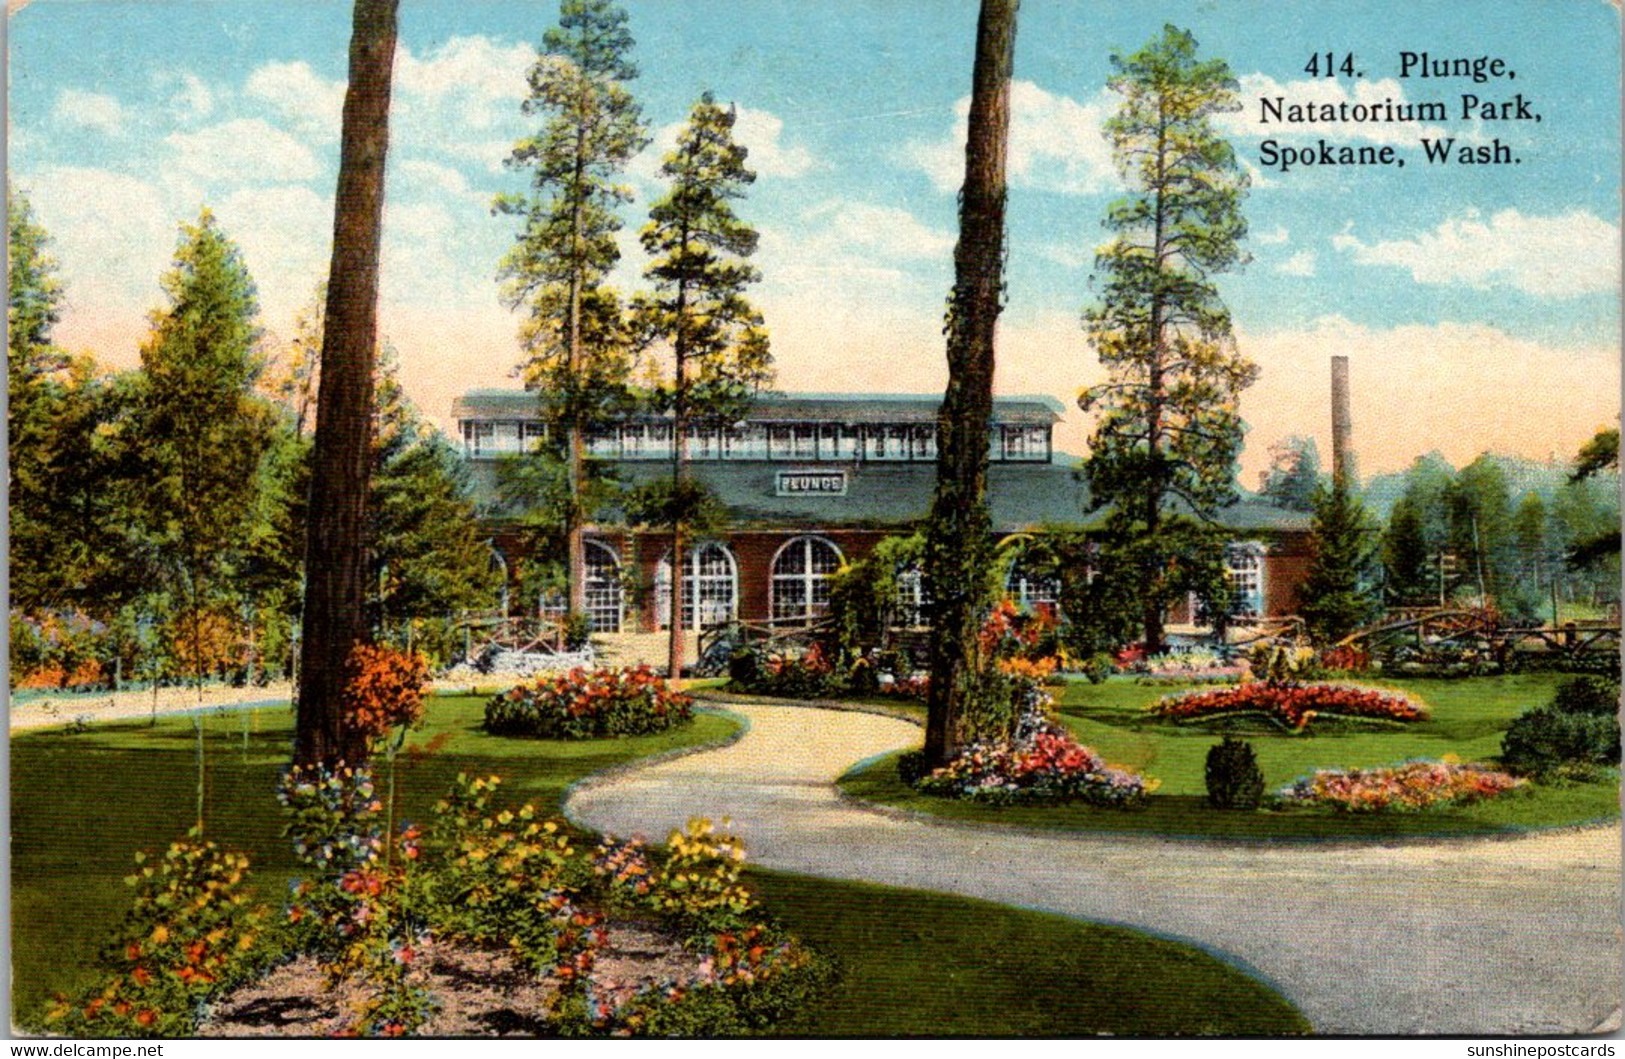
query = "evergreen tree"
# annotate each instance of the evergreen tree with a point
(34, 297)
(698, 310)
(202, 432)
(201, 436)
(1339, 592)
(428, 557)
(1480, 506)
(1167, 426)
(578, 350)
(334, 612)
(1600, 547)
(959, 545)
(34, 301)
(1294, 474)
(1407, 561)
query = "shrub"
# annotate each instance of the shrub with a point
(588, 704)
(384, 690)
(191, 934)
(355, 913)
(511, 877)
(751, 979)
(1548, 742)
(698, 882)
(809, 675)
(1408, 787)
(1292, 706)
(1098, 667)
(1344, 660)
(1597, 696)
(911, 766)
(1234, 780)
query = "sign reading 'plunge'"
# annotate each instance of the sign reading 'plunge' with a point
(810, 483)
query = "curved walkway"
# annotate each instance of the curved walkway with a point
(1479, 938)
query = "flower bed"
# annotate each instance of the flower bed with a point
(490, 919)
(1400, 788)
(1291, 705)
(588, 704)
(1047, 766)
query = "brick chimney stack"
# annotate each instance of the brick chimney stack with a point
(1343, 471)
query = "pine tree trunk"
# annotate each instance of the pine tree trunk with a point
(959, 556)
(679, 474)
(336, 535)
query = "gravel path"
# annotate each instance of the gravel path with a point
(1474, 938)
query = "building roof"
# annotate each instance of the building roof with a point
(793, 407)
(1022, 496)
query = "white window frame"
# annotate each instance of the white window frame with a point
(718, 593)
(807, 589)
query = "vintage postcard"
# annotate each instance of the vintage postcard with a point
(866, 518)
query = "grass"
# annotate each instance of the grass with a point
(912, 962)
(931, 965)
(1467, 719)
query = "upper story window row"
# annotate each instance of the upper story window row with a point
(880, 442)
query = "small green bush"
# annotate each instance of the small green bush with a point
(1098, 667)
(1547, 741)
(911, 767)
(1234, 780)
(1597, 696)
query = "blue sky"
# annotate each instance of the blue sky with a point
(1479, 304)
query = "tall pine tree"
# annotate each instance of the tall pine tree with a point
(1408, 565)
(1167, 426)
(698, 311)
(577, 349)
(1339, 592)
(202, 432)
(959, 544)
(334, 617)
(202, 436)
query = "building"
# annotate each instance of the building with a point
(812, 480)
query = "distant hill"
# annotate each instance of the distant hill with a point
(1544, 477)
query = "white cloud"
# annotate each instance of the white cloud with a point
(90, 110)
(1056, 144)
(1561, 256)
(113, 236)
(857, 255)
(1274, 237)
(286, 234)
(761, 133)
(887, 231)
(1300, 264)
(418, 174)
(468, 84)
(1249, 121)
(305, 100)
(244, 149)
(1067, 255)
(193, 100)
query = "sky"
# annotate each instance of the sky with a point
(1478, 304)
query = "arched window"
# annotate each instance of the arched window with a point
(1028, 589)
(801, 578)
(602, 591)
(710, 576)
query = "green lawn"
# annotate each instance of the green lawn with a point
(911, 962)
(1467, 719)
